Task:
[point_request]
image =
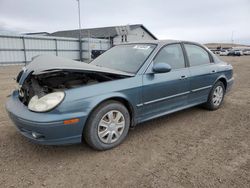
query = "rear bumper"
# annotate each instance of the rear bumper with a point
(230, 84)
(48, 126)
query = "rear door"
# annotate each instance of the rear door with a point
(202, 72)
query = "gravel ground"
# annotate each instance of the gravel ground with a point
(191, 148)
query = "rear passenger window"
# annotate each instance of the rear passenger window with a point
(196, 55)
(172, 55)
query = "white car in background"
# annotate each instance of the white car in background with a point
(224, 53)
(246, 52)
(238, 52)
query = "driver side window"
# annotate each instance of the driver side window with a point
(172, 55)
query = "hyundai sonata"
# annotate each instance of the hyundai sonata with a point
(62, 101)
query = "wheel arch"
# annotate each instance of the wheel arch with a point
(123, 100)
(223, 79)
(127, 104)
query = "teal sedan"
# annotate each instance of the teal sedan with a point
(61, 101)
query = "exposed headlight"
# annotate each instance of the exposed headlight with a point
(45, 103)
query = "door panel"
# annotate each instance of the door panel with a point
(165, 92)
(202, 73)
(201, 82)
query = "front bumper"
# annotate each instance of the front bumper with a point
(49, 126)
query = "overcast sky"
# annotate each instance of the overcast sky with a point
(196, 20)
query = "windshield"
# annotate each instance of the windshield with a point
(127, 58)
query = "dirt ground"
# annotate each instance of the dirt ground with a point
(191, 148)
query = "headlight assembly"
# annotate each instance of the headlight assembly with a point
(46, 103)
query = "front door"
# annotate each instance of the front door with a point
(165, 92)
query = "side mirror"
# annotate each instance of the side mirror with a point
(161, 68)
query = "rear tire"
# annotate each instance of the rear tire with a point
(107, 126)
(216, 96)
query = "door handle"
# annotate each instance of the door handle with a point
(183, 77)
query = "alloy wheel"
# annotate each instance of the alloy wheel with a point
(218, 95)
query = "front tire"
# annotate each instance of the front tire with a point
(216, 96)
(107, 126)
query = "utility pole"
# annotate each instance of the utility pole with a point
(232, 38)
(89, 46)
(80, 38)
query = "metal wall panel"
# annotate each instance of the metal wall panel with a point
(11, 43)
(31, 54)
(63, 45)
(12, 57)
(21, 49)
(86, 56)
(69, 54)
(40, 44)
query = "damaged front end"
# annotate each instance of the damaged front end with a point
(35, 83)
(55, 93)
(59, 80)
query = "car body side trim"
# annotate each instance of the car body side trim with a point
(139, 105)
(202, 88)
(172, 96)
(165, 98)
(230, 80)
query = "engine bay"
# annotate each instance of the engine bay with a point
(60, 80)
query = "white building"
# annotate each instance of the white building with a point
(116, 34)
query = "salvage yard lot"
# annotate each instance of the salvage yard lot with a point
(191, 148)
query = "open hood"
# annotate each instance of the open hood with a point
(46, 63)
(48, 74)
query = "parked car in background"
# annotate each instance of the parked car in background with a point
(235, 53)
(213, 51)
(239, 52)
(217, 51)
(246, 52)
(224, 53)
(231, 53)
(61, 101)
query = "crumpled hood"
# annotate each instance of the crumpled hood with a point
(46, 63)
